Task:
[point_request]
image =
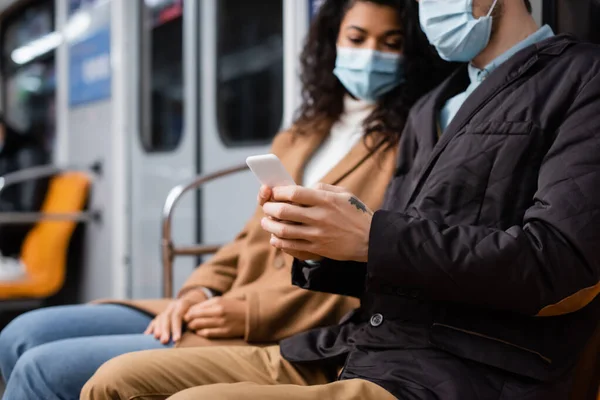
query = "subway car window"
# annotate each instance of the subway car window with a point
(28, 71)
(249, 70)
(162, 75)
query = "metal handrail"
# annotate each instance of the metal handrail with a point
(168, 249)
(17, 218)
(44, 171)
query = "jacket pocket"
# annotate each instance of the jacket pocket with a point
(513, 152)
(500, 128)
(503, 342)
(491, 351)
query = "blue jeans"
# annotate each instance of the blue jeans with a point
(50, 353)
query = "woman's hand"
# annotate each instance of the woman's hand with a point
(168, 324)
(218, 318)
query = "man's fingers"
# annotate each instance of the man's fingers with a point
(298, 195)
(330, 188)
(291, 246)
(205, 323)
(264, 194)
(288, 231)
(289, 212)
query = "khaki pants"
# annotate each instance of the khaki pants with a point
(223, 373)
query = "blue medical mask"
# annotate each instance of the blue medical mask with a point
(368, 74)
(451, 27)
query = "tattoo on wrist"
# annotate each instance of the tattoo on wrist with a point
(360, 206)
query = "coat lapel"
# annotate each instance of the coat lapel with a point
(359, 153)
(305, 146)
(506, 74)
(457, 83)
(503, 77)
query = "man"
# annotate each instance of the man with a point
(18, 150)
(480, 279)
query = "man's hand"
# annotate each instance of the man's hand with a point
(168, 324)
(218, 318)
(264, 194)
(328, 221)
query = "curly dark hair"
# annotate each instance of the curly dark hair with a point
(322, 92)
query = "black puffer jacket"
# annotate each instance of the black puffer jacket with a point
(492, 234)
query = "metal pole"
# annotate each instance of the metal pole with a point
(167, 247)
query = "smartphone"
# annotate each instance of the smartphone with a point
(269, 170)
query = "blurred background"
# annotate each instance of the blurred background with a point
(147, 94)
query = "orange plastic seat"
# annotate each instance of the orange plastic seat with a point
(45, 249)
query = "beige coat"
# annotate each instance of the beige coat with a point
(250, 268)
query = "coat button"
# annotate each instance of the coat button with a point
(376, 320)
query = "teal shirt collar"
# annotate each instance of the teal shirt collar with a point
(477, 75)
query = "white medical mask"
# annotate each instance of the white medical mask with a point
(453, 30)
(368, 74)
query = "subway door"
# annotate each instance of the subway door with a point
(91, 127)
(249, 90)
(537, 11)
(163, 153)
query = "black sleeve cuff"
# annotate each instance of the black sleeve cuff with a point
(329, 276)
(388, 268)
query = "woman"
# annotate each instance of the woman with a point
(356, 101)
